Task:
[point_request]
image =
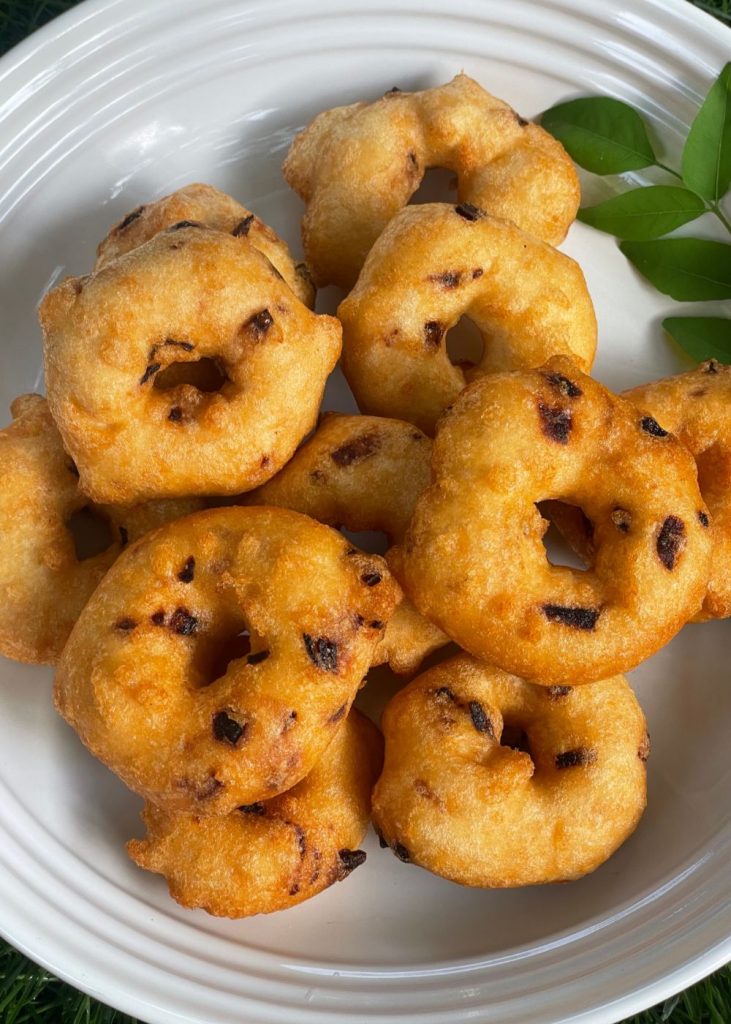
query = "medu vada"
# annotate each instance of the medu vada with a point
(145, 678)
(207, 206)
(696, 407)
(357, 166)
(473, 560)
(44, 582)
(272, 854)
(492, 782)
(186, 296)
(434, 264)
(364, 473)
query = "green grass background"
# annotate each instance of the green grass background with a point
(28, 994)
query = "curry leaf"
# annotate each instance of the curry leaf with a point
(688, 269)
(644, 213)
(601, 134)
(702, 337)
(707, 151)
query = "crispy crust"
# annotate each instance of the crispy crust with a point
(43, 585)
(364, 473)
(185, 295)
(143, 681)
(696, 407)
(455, 801)
(430, 267)
(473, 561)
(205, 205)
(271, 855)
(357, 166)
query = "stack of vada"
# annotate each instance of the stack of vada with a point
(210, 649)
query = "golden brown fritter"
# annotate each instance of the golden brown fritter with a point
(43, 583)
(185, 296)
(364, 473)
(206, 205)
(473, 560)
(434, 264)
(274, 854)
(492, 782)
(696, 407)
(357, 166)
(145, 678)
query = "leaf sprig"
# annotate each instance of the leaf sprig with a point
(606, 136)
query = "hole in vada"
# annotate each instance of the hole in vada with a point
(90, 531)
(215, 651)
(516, 737)
(465, 344)
(205, 375)
(222, 653)
(438, 185)
(558, 551)
(714, 466)
(373, 542)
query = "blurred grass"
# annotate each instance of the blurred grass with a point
(28, 994)
(18, 18)
(720, 8)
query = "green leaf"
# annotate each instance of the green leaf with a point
(702, 337)
(644, 212)
(601, 134)
(688, 269)
(707, 152)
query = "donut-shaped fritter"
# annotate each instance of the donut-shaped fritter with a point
(473, 560)
(207, 206)
(357, 166)
(434, 264)
(186, 295)
(492, 782)
(144, 680)
(364, 473)
(43, 582)
(696, 407)
(272, 854)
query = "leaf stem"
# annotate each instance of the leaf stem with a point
(718, 212)
(713, 208)
(664, 167)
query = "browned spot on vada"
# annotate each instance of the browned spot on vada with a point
(473, 560)
(142, 681)
(272, 854)
(364, 473)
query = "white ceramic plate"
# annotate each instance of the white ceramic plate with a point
(122, 100)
